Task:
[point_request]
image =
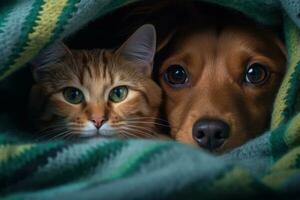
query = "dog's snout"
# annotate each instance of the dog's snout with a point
(210, 134)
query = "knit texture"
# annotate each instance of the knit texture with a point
(268, 166)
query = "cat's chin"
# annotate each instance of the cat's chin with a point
(105, 131)
(97, 133)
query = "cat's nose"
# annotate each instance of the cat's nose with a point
(98, 121)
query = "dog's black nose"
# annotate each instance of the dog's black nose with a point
(210, 134)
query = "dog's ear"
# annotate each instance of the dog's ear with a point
(140, 48)
(281, 46)
(165, 41)
(47, 57)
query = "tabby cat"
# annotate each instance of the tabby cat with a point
(97, 92)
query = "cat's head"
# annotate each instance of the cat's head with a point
(97, 92)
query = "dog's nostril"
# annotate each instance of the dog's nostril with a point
(210, 134)
(201, 134)
(218, 135)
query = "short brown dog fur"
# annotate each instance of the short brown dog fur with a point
(215, 53)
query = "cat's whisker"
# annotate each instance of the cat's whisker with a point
(46, 134)
(175, 128)
(129, 135)
(143, 122)
(77, 129)
(140, 131)
(123, 133)
(49, 129)
(150, 118)
(59, 135)
(141, 127)
(50, 132)
(52, 127)
(68, 136)
(70, 124)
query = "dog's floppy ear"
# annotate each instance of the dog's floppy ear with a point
(140, 48)
(281, 46)
(165, 41)
(47, 57)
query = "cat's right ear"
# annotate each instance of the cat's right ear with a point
(46, 58)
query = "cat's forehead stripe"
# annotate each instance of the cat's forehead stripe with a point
(103, 64)
(104, 58)
(87, 67)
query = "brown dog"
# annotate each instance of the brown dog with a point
(220, 76)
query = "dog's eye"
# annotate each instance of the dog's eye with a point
(256, 74)
(176, 75)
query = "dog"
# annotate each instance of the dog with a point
(220, 74)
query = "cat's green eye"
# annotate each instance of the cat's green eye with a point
(118, 94)
(73, 95)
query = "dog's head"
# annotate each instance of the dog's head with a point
(220, 83)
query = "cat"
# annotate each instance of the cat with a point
(100, 92)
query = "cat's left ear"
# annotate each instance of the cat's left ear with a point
(46, 58)
(141, 47)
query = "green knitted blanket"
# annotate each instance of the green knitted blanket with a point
(268, 166)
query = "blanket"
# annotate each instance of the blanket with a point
(266, 167)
